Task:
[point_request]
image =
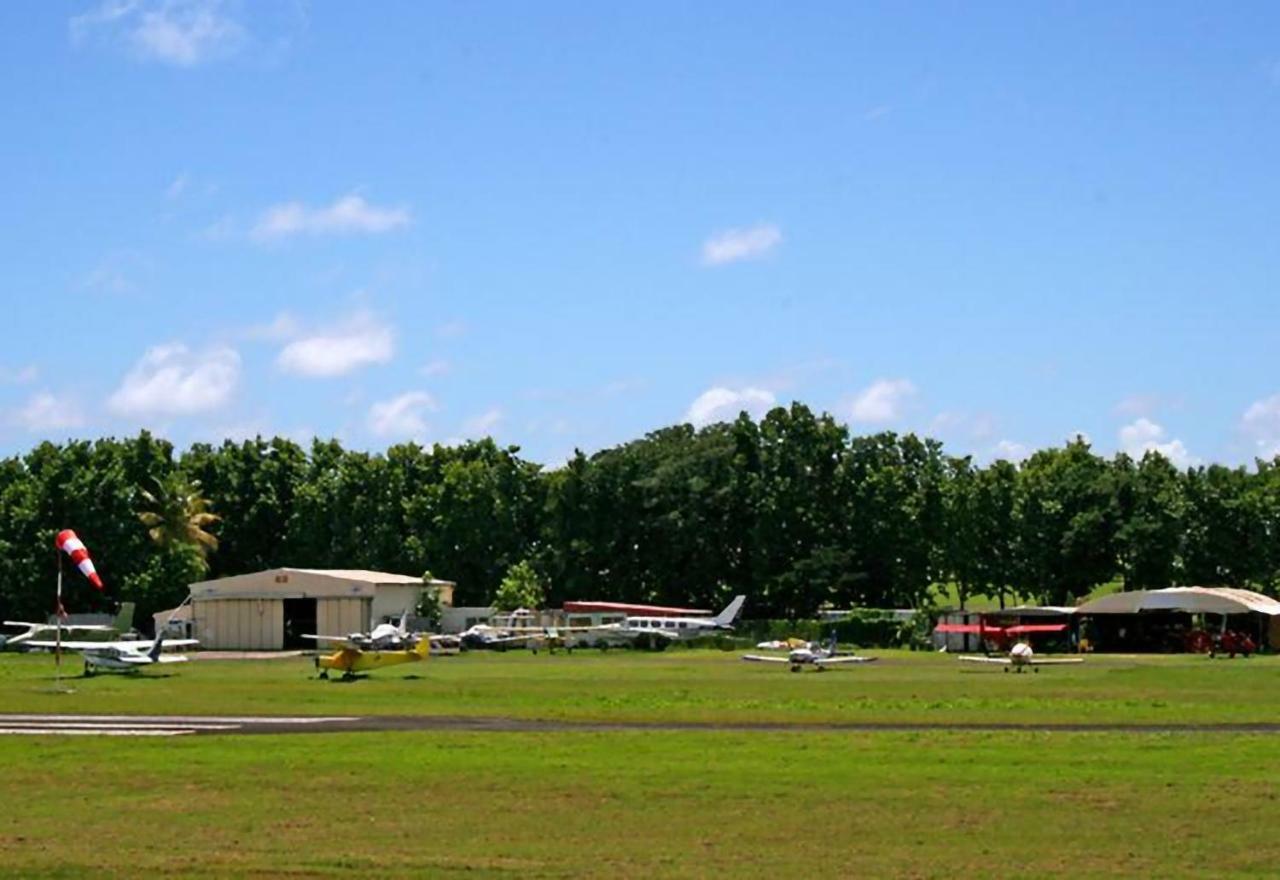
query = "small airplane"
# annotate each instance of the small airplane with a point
(519, 629)
(350, 659)
(122, 625)
(121, 656)
(809, 654)
(1002, 636)
(661, 631)
(1020, 658)
(384, 636)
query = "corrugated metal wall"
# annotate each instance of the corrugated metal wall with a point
(240, 624)
(338, 617)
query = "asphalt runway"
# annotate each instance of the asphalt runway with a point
(187, 725)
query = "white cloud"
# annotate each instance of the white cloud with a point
(437, 367)
(402, 417)
(483, 424)
(724, 404)
(1143, 436)
(882, 401)
(179, 186)
(172, 380)
(179, 32)
(733, 245)
(1010, 450)
(20, 376)
(360, 341)
(451, 330)
(48, 412)
(349, 214)
(283, 326)
(1261, 423)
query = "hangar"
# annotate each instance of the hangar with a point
(1174, 619)
(270, 610)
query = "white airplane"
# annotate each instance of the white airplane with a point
(121, 625)
(664, 630)
(818, 657)
(383, 637)
(123, 656)
(1021, 657)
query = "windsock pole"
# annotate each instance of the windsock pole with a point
(57, 651)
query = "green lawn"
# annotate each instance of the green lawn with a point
(642, 805)
(939, 804)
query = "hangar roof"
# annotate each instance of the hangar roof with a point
(364, 575)
(1196, 600)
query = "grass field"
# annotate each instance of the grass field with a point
(682, 685)
(654, 804)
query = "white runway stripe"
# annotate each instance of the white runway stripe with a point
(80, 731)
(115, 725)
(179, 719)
(144, 725)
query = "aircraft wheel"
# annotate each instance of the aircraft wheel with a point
(795, 668)
(324, 673)
(88, 670)
(1006, 669)
(1035, 669)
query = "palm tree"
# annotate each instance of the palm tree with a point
(176, 513)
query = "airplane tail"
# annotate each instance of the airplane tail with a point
(154, 653)
(423, 648)
(726, 617)
(834, 646)
(404, 621)
(124, 618)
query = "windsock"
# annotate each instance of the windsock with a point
(68, 543)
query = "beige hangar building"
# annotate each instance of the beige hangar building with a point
(271, 610)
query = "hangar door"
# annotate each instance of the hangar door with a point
(340, 617)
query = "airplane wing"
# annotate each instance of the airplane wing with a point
(65, 627)
(83, 647)
(999, 661)
(761, 658)
(1055, 661)
(1023, 628)
(172, 658)
(343, 640)
(837, 661)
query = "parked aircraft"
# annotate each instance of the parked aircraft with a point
(121, 625)
(807, 654)
(121, 656)
(384, 636)
(1020, 658)
(350, 659)
(664, 630)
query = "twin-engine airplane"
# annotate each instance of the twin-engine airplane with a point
(661, 631)
(122, 656)
(820, 658)
(121, 625)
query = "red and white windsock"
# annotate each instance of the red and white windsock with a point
(69, 544)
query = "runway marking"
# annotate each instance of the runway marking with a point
(77, 731)
(176, 725)
(153, 725)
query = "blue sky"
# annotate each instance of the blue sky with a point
(998, 224)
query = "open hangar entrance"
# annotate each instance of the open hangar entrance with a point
(1178, 619)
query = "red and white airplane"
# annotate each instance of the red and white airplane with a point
(1020, 656)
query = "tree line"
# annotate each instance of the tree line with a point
(792, 510)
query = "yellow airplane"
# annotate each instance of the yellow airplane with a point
(350, 659)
